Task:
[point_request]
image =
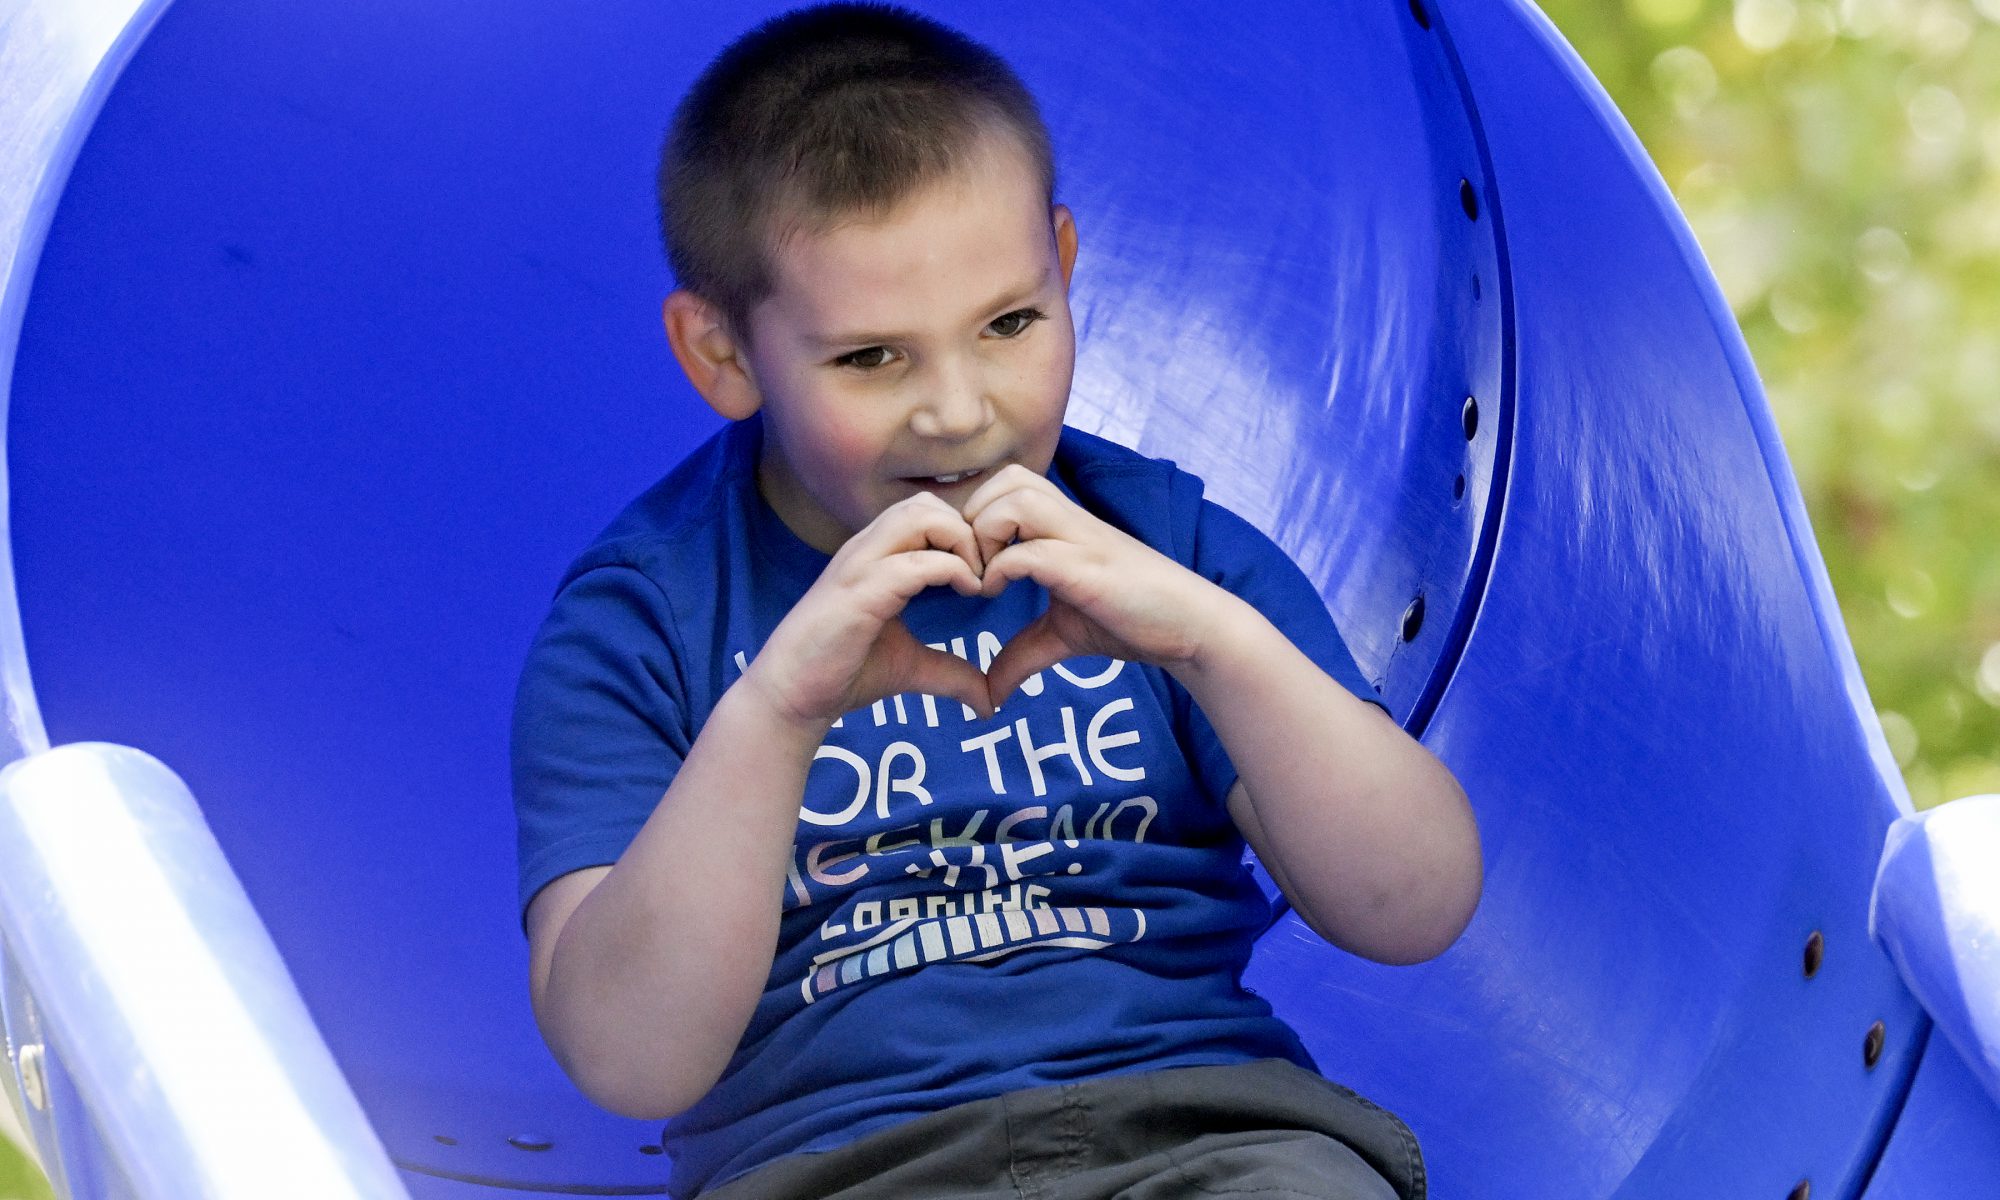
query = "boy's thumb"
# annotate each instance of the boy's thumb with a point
(1036, 647)
(941, 674)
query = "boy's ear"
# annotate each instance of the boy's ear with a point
(710, 355)
(1065, 240)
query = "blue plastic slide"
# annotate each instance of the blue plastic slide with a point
(330, 331)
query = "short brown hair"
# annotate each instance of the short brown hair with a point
(816, 114)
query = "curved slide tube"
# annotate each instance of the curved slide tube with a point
(329, 333)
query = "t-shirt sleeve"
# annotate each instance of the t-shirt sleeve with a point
(599, 728)
(1230, 551)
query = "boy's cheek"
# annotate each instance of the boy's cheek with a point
(844, 459)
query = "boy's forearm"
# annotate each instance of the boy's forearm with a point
(656, 974)
(1371, 835)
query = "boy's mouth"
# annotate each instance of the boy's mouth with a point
(944, 480)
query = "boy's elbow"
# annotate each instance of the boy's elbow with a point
(1425, 905)
(1457, 879)
(621, 1079)
(1442, 924)
(1417, 934)
(640, 1095)
(640, 1107)
(1449, 886)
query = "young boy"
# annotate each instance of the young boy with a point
(884, 772)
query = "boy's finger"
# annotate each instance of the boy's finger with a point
(1023, 560)
(992, 538)
(956, 534)
(1022, 515)
(921, 522)
(936, 673)
(1009, 478)
(914, 570)
(979, 510)
(1037, 647)
(1012, 483)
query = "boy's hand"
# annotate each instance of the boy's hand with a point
(844, 644)
(1109, 593)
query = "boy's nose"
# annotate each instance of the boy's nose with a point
(957, 408)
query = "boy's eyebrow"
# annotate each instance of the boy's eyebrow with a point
(1005, 299)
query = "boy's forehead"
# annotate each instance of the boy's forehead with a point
(957, 246)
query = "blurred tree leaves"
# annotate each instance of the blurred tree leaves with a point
(1839, 161)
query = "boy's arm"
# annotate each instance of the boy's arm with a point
(645, 975)
(1368, 834)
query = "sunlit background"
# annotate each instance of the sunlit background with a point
(1839, 161)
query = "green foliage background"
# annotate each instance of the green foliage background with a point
(1839, 161)
(20, 1179)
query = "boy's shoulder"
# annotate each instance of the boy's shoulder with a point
(1152, 499)
(677, 512)
(1082, 452)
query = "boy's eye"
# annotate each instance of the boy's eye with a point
(867, 359)
(1015, 323)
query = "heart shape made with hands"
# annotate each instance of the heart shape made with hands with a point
(1023, 527)
(1058, 633)
(1109, 594)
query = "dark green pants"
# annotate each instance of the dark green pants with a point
(1265, 1127)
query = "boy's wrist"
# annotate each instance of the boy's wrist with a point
(1231, 630)
(749, 701)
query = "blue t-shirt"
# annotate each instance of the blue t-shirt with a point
(973, 906)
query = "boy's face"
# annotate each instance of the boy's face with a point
(935, 340)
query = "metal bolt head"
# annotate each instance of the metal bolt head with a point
(1815, 953)
(1871, 1046)
(34, 1075)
